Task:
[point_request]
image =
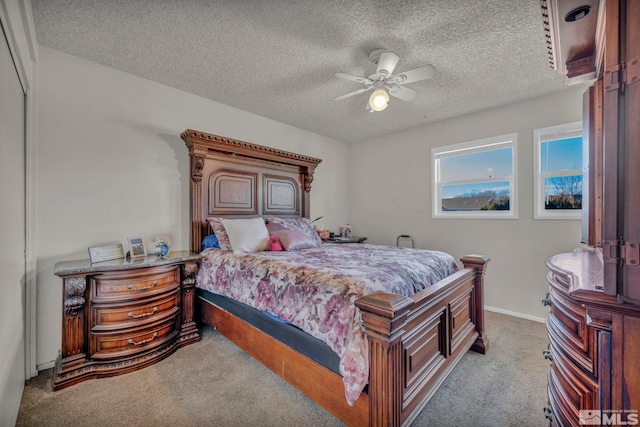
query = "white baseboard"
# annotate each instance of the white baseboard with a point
(46, 365)
(514, 314)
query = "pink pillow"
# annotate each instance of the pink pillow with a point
(221, 233)
(293, 240)
(303, 225)
(273, 227)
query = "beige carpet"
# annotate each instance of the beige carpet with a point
(213, 383)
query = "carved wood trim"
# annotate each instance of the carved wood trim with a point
(189, 273)
(204, 144)
(195, 195)
(66, 376)
(189, 332)
(74, 288)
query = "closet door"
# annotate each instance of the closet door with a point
(12, 235)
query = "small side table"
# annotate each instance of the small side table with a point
(122, 315)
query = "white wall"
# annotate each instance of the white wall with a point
(390, 194)
(112, 165)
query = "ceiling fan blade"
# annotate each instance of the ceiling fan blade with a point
(401, 92)
(415, 75)
(353, 78)
(387, 63)
(355, 92)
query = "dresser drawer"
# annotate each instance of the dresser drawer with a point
(566, 324)
(570, 389)
(107, 345)
(134, 284)
(105, 317)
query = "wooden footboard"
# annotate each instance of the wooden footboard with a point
(414, 343)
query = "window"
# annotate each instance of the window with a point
(558, 172)
(475, 179)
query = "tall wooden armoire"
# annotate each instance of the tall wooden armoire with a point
(594, 294)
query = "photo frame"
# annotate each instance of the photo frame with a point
(136, 247)
(106, 253)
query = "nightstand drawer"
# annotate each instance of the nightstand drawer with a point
(140, 283)
(122, 316)
(133, 341)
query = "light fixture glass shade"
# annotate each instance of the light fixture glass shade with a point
(379, 100)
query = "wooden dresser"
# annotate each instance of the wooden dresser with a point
(120, 316)
(594, 292)
(594, 345)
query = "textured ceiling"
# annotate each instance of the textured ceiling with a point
(277, 58)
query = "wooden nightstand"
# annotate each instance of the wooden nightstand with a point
(120, 316)
(353, 239)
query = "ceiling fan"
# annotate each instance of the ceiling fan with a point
(380, 78)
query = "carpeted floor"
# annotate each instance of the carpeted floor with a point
(214, 383)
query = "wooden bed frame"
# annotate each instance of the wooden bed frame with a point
(414, 342)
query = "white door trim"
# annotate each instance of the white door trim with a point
(17, 19)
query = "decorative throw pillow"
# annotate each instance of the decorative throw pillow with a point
(272, 227)
(221, 234)
(293, 240)
(246, 235)
(275, 245)
(210, 241)
(299, 224)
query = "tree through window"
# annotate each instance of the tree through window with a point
(558, 169)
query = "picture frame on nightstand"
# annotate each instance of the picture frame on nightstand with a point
(136, 247)
(105, 253)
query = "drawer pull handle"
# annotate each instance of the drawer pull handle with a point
(137, 316)
(155, 282)
(153, 337)
(547, 413)
(547, 355)
(546, 301)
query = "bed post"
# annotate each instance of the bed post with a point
(383, 319)
(478, 263)
(307, 179)
(197, 155)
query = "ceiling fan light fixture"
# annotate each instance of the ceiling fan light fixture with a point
(379, 100)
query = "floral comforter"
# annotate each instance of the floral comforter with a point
(315, 290)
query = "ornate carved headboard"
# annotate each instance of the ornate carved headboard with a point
(242, 179)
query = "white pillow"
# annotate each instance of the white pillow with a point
(246, 235)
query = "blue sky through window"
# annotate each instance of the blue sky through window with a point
(477, 166)
(561, 154)
(480, 166)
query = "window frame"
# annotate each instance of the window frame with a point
(546, 134)
(477, 146)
